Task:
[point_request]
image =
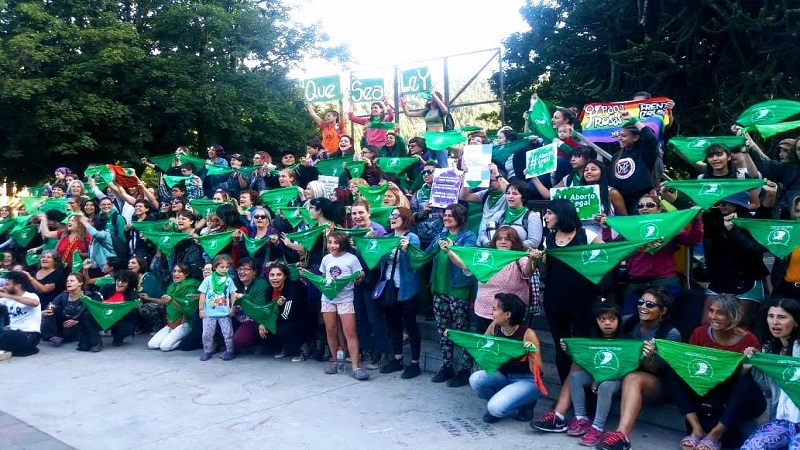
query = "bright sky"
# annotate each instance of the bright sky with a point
(385, 32)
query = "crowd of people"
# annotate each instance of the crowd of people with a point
(95, 240)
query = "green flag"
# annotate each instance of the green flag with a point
(706, 193)
(539, 121)
(380, 214)
(217, 169)
(490, 352)
(107, 314)
(484, 263)
(213, 243)
(253, 245)
(784, 370)
(32, 259)
(442, 140)
(334, 167)
(330, 287)
(767, 131)
(54, 204)
(374, 248)
(204, 207)
(395, 165)
(279, 198)
(419, 257)
(373, 194)
(701, 368)
(149, 225)
(296, 215)
(263, 314)
(769, 112)
(594, 261)
(32, 204)
(105, 280)
(184, 295)
(77, 262)
(502, 152)
(307, 238)
(164, 162)
(171, 180)
(100, 171)
(693, 149)
(165, 240)
(780, 237)
(647, 227)
(23, 236)
(352, 232)
(605, 359)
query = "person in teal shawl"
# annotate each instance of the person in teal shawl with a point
(180, 302)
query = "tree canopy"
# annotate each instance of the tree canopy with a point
(101, 80)
(713, 57)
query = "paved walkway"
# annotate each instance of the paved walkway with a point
(134, 398)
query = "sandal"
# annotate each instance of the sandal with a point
(691, 441)
(708, 444)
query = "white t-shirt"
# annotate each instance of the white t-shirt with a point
(24, 317)
(333, 267)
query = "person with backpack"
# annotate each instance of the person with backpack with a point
(525, 222)
(437, 117)
(493, 201)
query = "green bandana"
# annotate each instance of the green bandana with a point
(217, 169)
(492, 197)
(204, 207)
(512, 214)
(442, 140)
(374, 248)
(32, 259)
(780, 237)
(373, 194)
(54, 204)
(164, 162)
(165, 240)
(171, 180)
(693, 149)
(701, 368)
(296, 215)
(214, 243)
(253, 245)
(706, 193)
(185, 295)
(469, 128)
(150, 225)
(77, 262)
(279, 198)
(539, 121)
(330, 287)
(307, 238)
(333, 167)
(107, 314)
(767, 131)
(218, 282)
(484, 263)
(769, 112)
(380, 214)
(504, 151)
(23, 236)
(490, 352)
(378, 125)
(647, 227)
(784, 370)
(32, 204)
(594, 261)
(102, 172)
(396, 165)
(36, 191)
(105, 280)
(605, 359)
(263, 314)
(352, 232)
(50, 244)
(419, 257)
(7, 225)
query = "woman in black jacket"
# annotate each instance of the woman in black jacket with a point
(296, 322)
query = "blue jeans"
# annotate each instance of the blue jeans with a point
(505, 393)
(441, 158)
(373, 334)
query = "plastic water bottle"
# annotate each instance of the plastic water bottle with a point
(340, 360)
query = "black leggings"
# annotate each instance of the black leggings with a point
(404, 313)
(566, 326)
(296, 332)
(19, 343)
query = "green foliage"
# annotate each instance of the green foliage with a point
(714, 57)
(101, 80)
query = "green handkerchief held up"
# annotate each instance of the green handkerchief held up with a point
(605, 359)
(701, 368)
(490, 352)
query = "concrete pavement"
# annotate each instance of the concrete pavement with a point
(134, 398)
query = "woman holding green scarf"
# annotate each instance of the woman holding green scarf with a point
(525, 222)
(378, 112)
(180, 302)
(493, 201)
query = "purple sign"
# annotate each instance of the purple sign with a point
(446, 187)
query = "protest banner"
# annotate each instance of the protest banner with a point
(322, 89)
(601, 121)
(541, 160)
(586, 199)
(477, 159)
(415, 81)
(366, 90)
(446, 187)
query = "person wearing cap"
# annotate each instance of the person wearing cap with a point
(733, 258)
(785, 172)
(236, 178)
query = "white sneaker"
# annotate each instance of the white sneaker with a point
(4, 355)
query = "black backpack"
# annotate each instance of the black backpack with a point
(120, 246)
(448, 122)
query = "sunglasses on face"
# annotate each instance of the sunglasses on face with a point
(413, 145)
(394, 216)
(427, 172)
(646, 205)
(259, 216)
(649, 304)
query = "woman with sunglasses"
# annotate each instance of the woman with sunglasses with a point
(123, 290)
(274, 248)
(657, 269)
(647, 382)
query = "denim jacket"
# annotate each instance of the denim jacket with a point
(464, 238)
(409, 279)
